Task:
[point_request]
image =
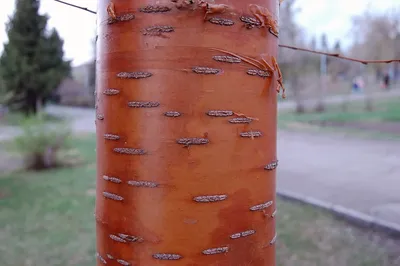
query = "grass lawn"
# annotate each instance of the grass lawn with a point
(384, 111)
(15, 119)
(382, 122)
(47, 219)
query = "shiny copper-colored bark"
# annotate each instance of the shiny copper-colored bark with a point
(178, 181)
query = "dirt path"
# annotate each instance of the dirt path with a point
(360, 174)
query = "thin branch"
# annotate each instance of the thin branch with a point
(365, 62)
(79, 7)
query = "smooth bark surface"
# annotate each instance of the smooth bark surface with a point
(178, 181)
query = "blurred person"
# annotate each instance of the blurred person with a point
(386, 81)
(354, 87)
(358, 84)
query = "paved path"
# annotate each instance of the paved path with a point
(360, 174)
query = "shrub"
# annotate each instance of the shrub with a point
(40, 143)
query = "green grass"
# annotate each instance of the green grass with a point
(384, 111)
(46, 218)
(15, 119)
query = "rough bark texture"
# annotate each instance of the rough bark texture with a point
(182, 179)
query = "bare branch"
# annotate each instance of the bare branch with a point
(79, 7)
(365, 62)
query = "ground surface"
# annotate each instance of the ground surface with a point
(356, 173)
(362, 174)
(47, 219)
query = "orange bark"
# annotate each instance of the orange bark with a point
(186, 135)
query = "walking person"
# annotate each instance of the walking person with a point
(354, 87)
(386, 81)
(358, 84)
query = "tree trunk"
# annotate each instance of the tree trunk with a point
(186, 137)
(30, 106)
(296, 88)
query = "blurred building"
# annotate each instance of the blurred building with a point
(77, 90)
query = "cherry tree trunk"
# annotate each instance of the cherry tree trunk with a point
(186, 135)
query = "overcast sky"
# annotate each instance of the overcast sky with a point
(77, 27)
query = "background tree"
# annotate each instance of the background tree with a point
(92, 72)
(320, 106)
(32, 64)
(337, 66)
(293, 64)
(376, 36)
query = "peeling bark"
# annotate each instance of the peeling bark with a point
(215, 204)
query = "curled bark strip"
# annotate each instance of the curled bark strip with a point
(111, 137)
(221, 21)
(265, 17)
(111, 10)
(227, 59)
(134, 75)
(100, 117)
(143, 104)
(166, 256)
(110, 92)
(213, 251)
(262, 206)
(243, 234)
(112, 179)
(273, 214)
(130, 151)
(240, 120)
(206, 70)
(117, 238)
(271, 166)
(185, 4)
(220, 113)
(157, 30)
(100, 258)
(123, 262)
(112, 196)
(172, 114)
(251, 134)
(273, 33)
(121, 18)
(212, 198)
(192, 141)
(129, 238)
(148, 184)
(250, 22)
(154, 9)
(273, 240)
(258, 72)
(110, 257)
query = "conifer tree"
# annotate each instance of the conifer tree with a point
(32, 64)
